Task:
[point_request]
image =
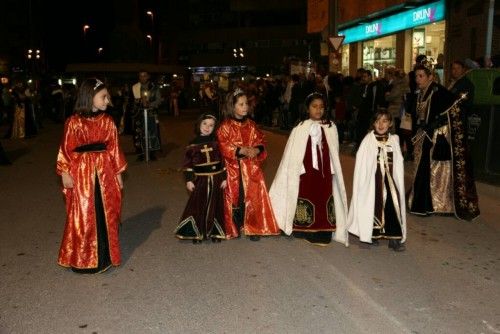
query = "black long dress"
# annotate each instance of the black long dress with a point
(203, 216)
(442, 180)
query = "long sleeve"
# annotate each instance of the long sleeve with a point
(66, 148)
(227, 148)
(118, 158)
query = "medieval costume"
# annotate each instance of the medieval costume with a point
(146, 97)
(90, 153)
(378, 196)
(246, 201)
(203, 216)
(18, 124)
(308, 193)
(443, 180)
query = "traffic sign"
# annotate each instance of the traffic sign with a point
(336, 41)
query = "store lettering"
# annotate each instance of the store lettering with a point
(424, 14)
(373, 28)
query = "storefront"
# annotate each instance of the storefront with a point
(394, 40)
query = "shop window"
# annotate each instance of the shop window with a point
(378, 54)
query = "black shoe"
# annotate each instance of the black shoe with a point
(216, 239)
(396, 245)
(375, 242)
(196, 241)
(254, 238)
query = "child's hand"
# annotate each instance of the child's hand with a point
(67, 180)
(252, 152)
(190, 185)
(120, 180)
(223, 184)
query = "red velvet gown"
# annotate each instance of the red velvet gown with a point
(315, 213)
(90, 152)
(246, 188)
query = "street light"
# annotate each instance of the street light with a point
(150, 13)
(32, 54)
(99, 51)
(85, 28)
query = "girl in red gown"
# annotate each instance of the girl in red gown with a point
(90, 164)
(246, 202)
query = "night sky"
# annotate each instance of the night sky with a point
(56, 27)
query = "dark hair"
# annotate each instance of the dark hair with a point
(424, 68)
(88, 89)
(460, 63)
(381, 112)
(420, 59)
(231, 99)
(201, 119)
(309, 99)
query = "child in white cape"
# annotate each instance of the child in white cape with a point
(377, 209)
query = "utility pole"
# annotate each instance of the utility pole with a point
(489, 33)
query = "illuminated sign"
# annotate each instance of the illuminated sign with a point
(415, 17)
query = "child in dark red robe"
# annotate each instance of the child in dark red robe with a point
(205, 176)
(308, 194)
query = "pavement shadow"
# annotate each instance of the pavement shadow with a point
(167, 148)
(136, 230)
(17, 153)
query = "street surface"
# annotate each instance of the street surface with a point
(447, 281)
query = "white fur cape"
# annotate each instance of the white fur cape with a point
(285, 188)
(362, 207)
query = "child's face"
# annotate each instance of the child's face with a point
(241, 107)
(382, 125)
(100, 101)
(316, 109)
(207, 127)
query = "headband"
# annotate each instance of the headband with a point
(238, 91)
(98, 83)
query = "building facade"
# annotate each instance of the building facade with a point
(393, 32)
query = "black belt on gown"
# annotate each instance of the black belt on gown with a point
(94, 147)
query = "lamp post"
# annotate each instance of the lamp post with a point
(239, 54)
(156, 43)
(85, 28)
(33, 56)
(150, 14)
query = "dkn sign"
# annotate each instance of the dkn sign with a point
(407, 19)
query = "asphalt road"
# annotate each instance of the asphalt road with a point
(447, 281)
